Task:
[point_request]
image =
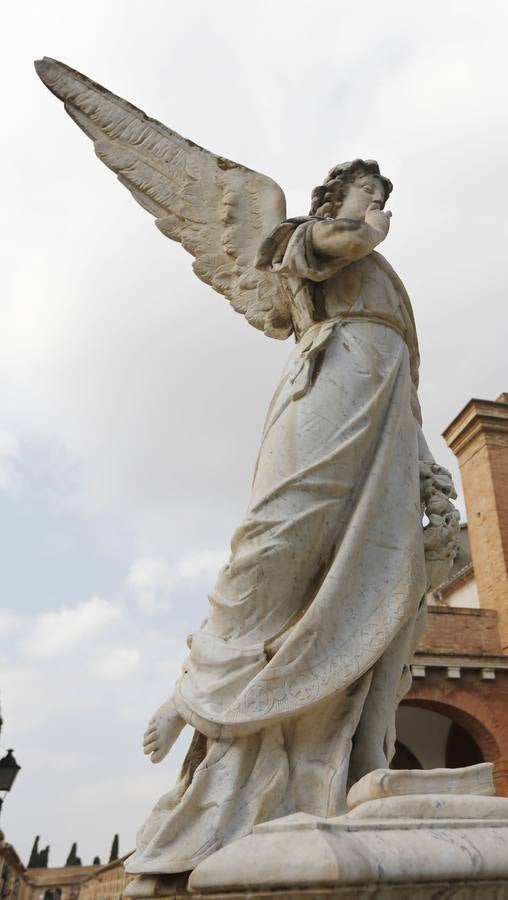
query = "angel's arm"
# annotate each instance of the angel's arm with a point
(317, 248)
(350, 239)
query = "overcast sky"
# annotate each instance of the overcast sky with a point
(132, 396)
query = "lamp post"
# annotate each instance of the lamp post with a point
(8, 771)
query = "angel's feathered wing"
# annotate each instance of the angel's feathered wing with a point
(219, 210)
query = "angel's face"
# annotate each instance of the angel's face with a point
(362, 193)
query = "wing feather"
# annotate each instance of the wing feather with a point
(217, 209)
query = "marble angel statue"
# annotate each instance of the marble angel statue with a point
(293, 681)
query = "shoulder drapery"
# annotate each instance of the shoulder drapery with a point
(289, 251)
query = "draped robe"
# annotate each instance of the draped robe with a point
(293, 680)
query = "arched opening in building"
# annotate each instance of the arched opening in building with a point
(404, 758)
(431, 739)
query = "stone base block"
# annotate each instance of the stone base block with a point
(440, 851)
(427, 847)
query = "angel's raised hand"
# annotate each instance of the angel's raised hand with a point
(378, 218)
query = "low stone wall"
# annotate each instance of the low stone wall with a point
(107, 883)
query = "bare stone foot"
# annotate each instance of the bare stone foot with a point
(162, 731)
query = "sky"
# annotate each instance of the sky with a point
(132, 396)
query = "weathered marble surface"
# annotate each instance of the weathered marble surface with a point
(307, 852)
(430, 806)
(293, 680)
(380, 783)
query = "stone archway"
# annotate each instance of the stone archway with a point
(476, 705)
(477, 731)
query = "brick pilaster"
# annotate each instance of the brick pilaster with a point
(479, 438)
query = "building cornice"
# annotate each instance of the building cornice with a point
(448, 587)
(464, 660)
(477, 418)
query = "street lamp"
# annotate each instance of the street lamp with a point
(8, 771)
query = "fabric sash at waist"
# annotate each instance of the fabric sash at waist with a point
(315, 339)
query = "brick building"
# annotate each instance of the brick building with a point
(457, 710)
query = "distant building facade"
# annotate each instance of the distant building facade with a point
(95, 882)
(457, 710)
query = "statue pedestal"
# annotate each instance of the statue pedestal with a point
(395, 847)
(423, 846)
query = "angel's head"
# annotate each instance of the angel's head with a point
(349, 189)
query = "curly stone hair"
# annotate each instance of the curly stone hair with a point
(327, 197)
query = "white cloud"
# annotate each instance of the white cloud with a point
(206, 563)
(116, 663)
(153, 580)
(57, 632)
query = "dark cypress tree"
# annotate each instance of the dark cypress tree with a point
(38, 858)
(34, 856)
(73, 858)
(114, 849)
